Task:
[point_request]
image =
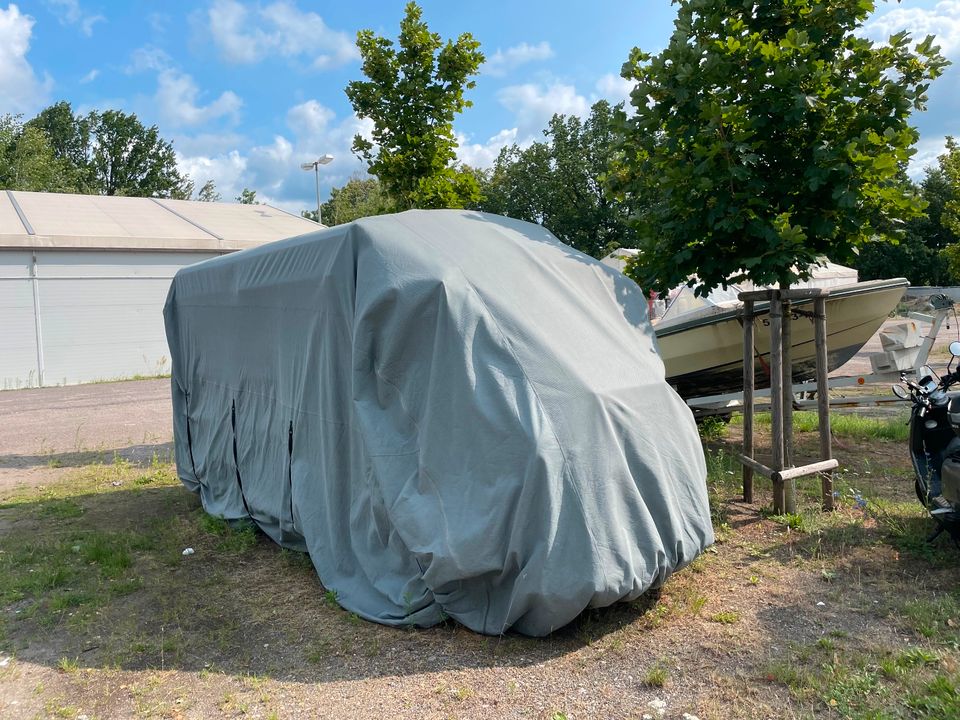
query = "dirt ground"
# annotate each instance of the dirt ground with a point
(101, 615)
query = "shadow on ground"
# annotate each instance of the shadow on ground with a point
(100, 579)
(136, 454)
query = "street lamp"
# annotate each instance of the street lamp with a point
(315, 166)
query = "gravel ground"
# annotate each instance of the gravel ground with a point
(44, 429)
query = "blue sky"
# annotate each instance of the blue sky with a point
(249, 90)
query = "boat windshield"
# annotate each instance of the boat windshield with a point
(685, 301)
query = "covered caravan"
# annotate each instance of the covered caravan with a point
(453, 412)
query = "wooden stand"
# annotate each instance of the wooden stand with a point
(783, 474)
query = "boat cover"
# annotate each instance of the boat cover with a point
(453, 412)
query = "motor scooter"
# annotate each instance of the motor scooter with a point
(935, 442)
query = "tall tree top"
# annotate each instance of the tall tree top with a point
(412, 95)
(767, 135)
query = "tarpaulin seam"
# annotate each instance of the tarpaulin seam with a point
(193, 464)
(509, 347)
(236, 459)
(293, 522)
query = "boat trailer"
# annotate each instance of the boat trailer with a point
(903, 352)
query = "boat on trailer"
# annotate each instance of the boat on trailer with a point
(702, 349)
(701, 338)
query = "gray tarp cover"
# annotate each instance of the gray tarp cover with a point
(453, 412)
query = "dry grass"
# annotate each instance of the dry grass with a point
(101, 615)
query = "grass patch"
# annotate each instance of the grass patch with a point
(236, 537)
(656, 676)
(725, 617)
(844, 425)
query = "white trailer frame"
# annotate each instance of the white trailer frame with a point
(729, 402)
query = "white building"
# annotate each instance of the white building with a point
(83, 278)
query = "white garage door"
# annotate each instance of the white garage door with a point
(100, 316)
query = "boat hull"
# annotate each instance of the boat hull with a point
(704, 355)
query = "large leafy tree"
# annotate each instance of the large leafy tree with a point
(919, 252)
(28, 162)
(360, 197)
(412, 95)
(128, 158)
(767, 135)
(949, 169)
(69, 138)
(559, 183)
(948, 173)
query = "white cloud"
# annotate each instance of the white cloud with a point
(273, 169)
(483, 155)
(503, 61)
(69, 12)
(158, 22)
(615, 89)
(310, 119)
(89, 77)
(176, 101)
(20, 89)
(928, 150)
(148, 57)
(280, 28)
(534, 105)
(227, 171)
(943, 20)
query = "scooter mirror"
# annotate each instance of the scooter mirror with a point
(955, 348)
(900, 392)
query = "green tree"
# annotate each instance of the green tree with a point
(949, 167)
(412, 95)
(919, 253)
(559, 183)
(247, 197)
(360, 197)
(27, 162)
(208, 193)
(948, 172)
(69, 138)
(767, 135)
(130, 159)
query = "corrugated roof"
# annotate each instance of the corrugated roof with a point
(58, 220)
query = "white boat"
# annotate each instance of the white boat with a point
(701, 338)
(702, 350)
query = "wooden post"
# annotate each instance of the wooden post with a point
(790, 486)
(748, 380)
(776, 396)
(823, 399)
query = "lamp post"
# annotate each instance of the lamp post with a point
(315, 166)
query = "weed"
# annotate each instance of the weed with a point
(656, 676)
(726, 617)
(66, 665)
(712, 428)
(940, 699)
(697, 603)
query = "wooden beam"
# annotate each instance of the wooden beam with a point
(804, 470)
(756, 466)
(748, 379)
(776, 396)
(786, 337)
(823, 399)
